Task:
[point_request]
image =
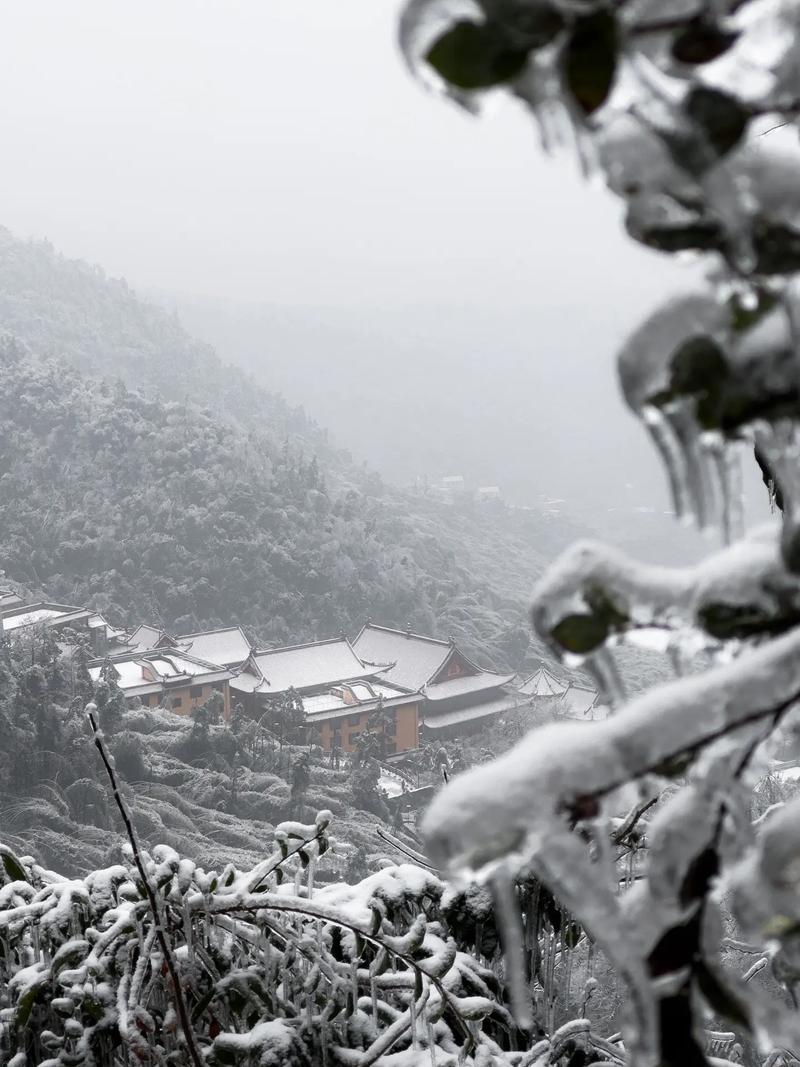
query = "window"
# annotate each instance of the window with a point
(195, 691)
(391, 728)
(354, 720)
(177, 702)
(219, 687)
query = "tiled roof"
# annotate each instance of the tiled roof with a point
(416, 659)
(470, 683)
(228, 647)
(145, 637)
(33, 614)
(486, 709)
(311, 666)
(543, 684)
(167, 668)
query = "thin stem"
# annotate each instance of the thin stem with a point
(152, 898)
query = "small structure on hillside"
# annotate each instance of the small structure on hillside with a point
(19, 619)
(570, 700)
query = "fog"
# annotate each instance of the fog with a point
(432, 288)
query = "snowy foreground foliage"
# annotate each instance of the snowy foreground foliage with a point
(690, 112)
(270, 969)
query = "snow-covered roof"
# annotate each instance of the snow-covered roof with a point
(33, 614)
(415, 658)
(246, 682)
(543, 684)
(144, 673)
(145, 637)
(332, 704)
(469, 683)
(486, 709)
(228, 646)
(311, 666)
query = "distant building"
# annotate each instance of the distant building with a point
(228, 646)
(457, 694)
(9, 599)
(164, 678)
(486, 494)
(454, 483)
(563, 699)
(22, 618)
(340, 694)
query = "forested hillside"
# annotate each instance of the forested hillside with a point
(142, 476)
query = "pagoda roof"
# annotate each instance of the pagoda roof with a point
(227, 646)
(485, 710)
(543, 684)
(469, 683)
(310, 666)
(414, 660)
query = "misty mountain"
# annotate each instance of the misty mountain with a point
(141, 475)
(425, 392)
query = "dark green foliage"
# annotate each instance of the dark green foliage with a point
(590, 60)
(475, 55)
(701, 41)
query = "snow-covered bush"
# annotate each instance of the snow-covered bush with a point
(690, 111)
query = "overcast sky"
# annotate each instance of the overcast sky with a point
(278, 152)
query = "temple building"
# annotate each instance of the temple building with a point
(457, 695)
(340, 695)
(164, 679)
(567, 700)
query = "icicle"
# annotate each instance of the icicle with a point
(726, 459)
(603, 667)
(674, 653)
(187, 933)
(666, 444)
(698, 469)
(310, 878)
(412, 1011)
(509, 925)
(431, 1041)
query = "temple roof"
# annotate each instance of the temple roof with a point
(543, 684)
(484, 710)
(310, 666)
(227, 646)
(415, 660)
(469, 683)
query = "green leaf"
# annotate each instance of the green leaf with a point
(590, 60)
(579, 633)
(721, 117)
(473, 55)
(13, 867)
(25, 1007)
(572, 935)
(701, 42)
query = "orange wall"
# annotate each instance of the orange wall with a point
(189, 702)
(406, 737)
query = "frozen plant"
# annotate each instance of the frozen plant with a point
(690, 112)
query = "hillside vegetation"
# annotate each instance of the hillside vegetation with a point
(141, 475)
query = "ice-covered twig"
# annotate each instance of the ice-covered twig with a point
(151, 894)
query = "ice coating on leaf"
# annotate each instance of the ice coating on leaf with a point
(594, 597)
